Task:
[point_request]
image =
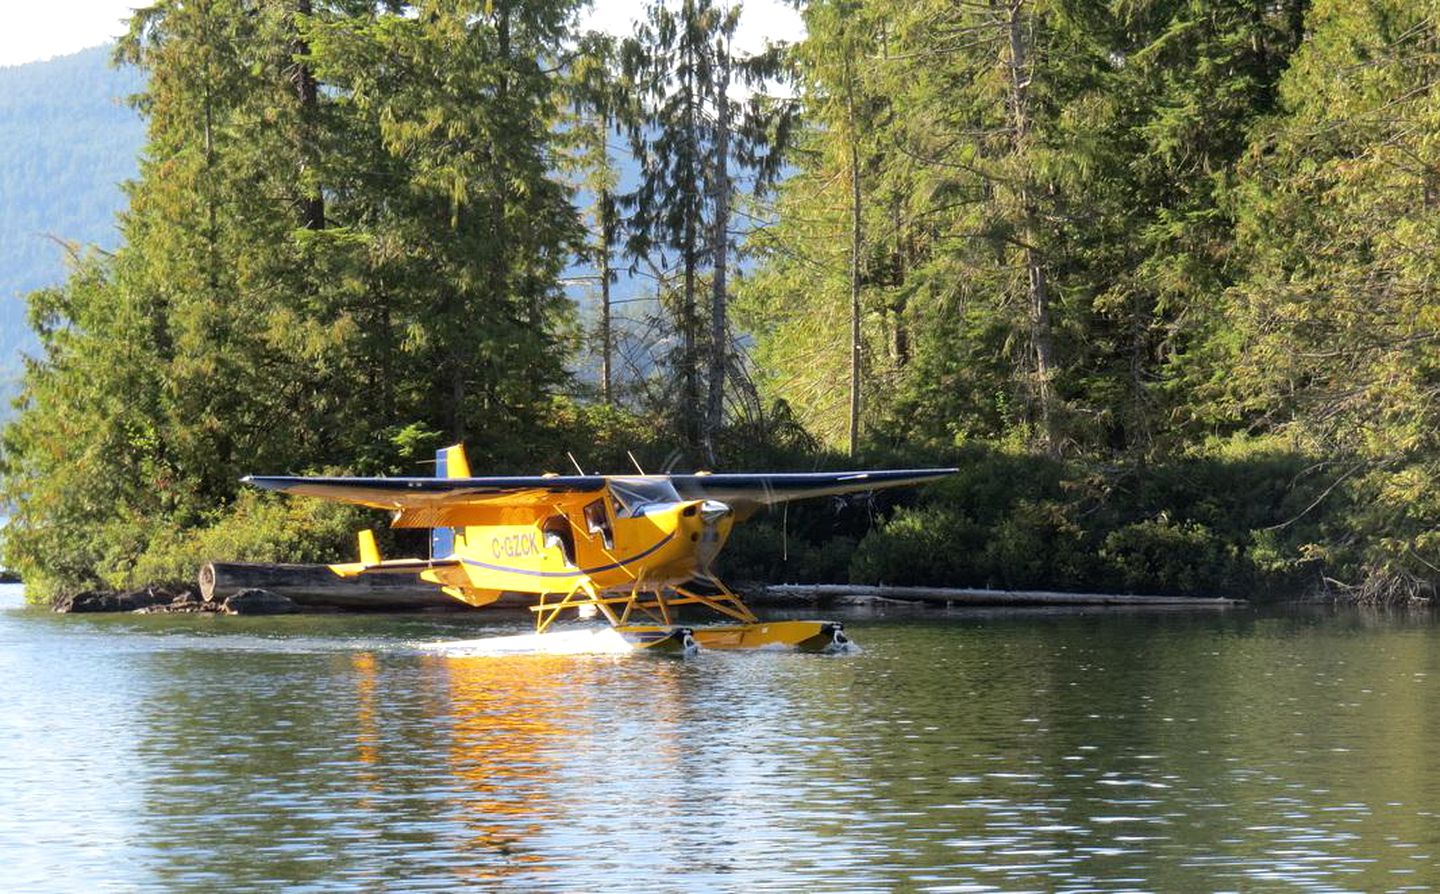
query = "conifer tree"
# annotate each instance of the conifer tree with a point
(601, 108)
(692, 138)
(814, 257)
(1332, 341)
(463, 97)
(347, 234)
(1041, 211)
(668, 62)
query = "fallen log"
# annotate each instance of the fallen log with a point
(967, 596)
(317, 586)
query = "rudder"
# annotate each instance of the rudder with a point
(450, 462)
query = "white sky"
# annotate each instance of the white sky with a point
(51, 28)
(56, 27)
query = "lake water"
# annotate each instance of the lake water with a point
(959, 751)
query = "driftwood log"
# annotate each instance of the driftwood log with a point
(817, 592)
(316, 586)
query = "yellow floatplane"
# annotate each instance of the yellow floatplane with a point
(631, 548)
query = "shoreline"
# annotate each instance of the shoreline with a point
(187, 599)
(279, 599)
(239, 588)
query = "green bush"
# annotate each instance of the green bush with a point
(1161, 556)
(1234, 524)
(257, 527)
(761, 551)
(1001, 521)
(1037, 546)
(938, 545)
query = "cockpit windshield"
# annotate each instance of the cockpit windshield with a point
(633, 495)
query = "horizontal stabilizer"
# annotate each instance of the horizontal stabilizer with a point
(393, 566)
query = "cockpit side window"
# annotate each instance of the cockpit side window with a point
(557, 533)
(597, 521)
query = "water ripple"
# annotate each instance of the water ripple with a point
(1062, 752)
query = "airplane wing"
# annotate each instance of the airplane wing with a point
(407, 493)
(437, 502)
(433, 502)
(747, 492)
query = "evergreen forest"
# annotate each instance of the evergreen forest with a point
(1159, 276)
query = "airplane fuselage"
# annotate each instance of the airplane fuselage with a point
(558, 548)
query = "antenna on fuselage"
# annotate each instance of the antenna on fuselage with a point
(635, 461)
(574, 462)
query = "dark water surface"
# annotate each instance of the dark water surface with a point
(960, 751)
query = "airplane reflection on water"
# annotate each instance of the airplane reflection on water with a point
(552, 767)
(514, 729)
(503, 741)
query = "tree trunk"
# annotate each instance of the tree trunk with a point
(312, 205)
(967, 596)
(719, 337)
(457, 397)
(607, 238)
(212, 233)
(856, 348)
(690, 412)
(900, 334)
(605, 223)
(1018, 71)
(1041, 336)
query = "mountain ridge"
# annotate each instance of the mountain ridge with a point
(68, 142)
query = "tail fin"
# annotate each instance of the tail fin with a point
(369, 551)
(450, 462)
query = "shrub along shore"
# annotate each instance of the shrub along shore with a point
(1248, 527)
(1261, 525)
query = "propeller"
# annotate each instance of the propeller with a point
(712, 513)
